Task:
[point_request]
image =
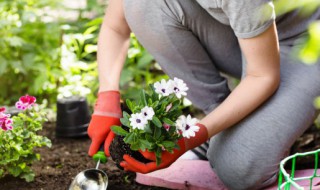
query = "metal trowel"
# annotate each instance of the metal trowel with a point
(92, 179)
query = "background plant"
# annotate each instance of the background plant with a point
(309, 52)
(29, 45)
(42, 53)
(17, 145)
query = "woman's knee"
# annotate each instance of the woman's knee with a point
(244, 173)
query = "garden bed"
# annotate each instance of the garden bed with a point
(61, 163)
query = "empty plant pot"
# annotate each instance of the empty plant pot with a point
(73, 117)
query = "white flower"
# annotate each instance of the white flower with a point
(187, 126)
(147, 113)
(179, 87)
(137, 121)
(164, 88)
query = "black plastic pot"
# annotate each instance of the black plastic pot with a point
(73, 117)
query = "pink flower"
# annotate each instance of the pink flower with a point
(166, 126)
(6, 124)
(168, 107)
(2, 109)
(2, 114)
(25, 102)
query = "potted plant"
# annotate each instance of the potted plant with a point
(154, 122)
(18, 138)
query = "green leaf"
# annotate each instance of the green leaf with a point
(143, 98)
(168, 121)
(126, 115)
(90, 48)
(144, 60)
(119, 130)
(125, 122)
(156, 121)
(129, 104)
(91, 29)
(155, 104)
(168, 144)
(22, 165)
(146, 143)
(15, 171)
(28, 176)
(154, 96)
(135, 146)
(129, 138)
(38, 82)
(157, 133)
(175, 105)
(148, 129)
(149, 138)
(96, 21)
(162, 108)
(158, 156)
(126, 76)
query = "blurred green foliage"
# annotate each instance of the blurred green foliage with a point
(306, 6)
(80, 49)
(309, 53)
(317, 102)
(50, 57)
(29, 56)
(139, 71)
(78, 60)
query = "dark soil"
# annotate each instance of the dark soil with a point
(67, 157)
(118, 148)
(309, 141)
(63, 161)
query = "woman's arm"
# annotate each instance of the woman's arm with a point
(113, 45)
(261, 81)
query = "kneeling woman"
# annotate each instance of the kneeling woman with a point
(251, 128)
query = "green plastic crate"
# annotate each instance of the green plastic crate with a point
(289, 181)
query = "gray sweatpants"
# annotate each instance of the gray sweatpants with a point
(189, 44)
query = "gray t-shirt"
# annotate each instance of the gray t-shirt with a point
(249, 18)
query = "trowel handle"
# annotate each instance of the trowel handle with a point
(100, 155)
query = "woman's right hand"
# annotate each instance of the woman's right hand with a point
(107, 112)
(113, 43)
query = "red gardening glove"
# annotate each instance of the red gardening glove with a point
(131, 164)
(107, 112)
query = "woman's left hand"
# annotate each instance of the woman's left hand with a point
(167, 158)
